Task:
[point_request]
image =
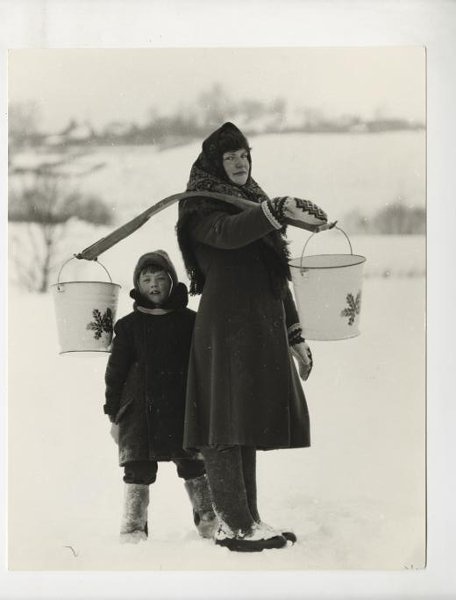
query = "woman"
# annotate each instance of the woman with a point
(243, 391)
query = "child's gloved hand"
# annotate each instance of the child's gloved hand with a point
(115, 433)
(303, 355)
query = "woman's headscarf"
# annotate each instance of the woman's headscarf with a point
(208, 175)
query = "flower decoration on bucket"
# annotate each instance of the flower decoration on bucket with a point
(354, 307)
(101, 323)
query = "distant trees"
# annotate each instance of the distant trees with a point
(42, 201)
(400, 219)
(23, 124)
(195, 120)
(44, 207)
(392, 219)
(41, 198)
(215, 106)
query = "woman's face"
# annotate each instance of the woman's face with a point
(237, 166)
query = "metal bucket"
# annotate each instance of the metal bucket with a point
(85, 312)
(328, 289)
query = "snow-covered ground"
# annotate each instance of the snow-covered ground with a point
(355, 498)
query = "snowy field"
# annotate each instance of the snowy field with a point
(355, 498)
(340, 172)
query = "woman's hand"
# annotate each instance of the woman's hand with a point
(324, 227)
(303, 355)
(304, 210)
(298, 212)
(115, 432)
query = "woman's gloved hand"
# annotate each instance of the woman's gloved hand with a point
(303, 213)
(115, 432)
(303, 355)
(299, 209)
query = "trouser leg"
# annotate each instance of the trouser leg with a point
(249, 470)
(237, 529)
(248, 455)
(189, 468)
(226, 481)
(140, 471)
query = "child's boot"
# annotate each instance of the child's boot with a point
(203, 513)
(133, 527)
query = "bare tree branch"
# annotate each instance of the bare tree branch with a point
(45, 205)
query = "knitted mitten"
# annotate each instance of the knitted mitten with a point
(279, 210)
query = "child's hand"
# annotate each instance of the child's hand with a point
(303, 355)
(115, 433)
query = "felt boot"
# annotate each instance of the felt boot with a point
(133, 526)
(237, 530)
(203, 513)
(254, 539)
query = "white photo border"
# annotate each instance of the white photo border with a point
(259, 23)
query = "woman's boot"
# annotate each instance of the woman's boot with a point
(237, 530)
(133, 527)
(248, 455)
(203, 513)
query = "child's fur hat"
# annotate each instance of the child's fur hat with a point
(157, 258)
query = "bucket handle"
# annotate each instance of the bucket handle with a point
(74, 257)
(311, 236)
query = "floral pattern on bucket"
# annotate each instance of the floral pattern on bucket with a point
(101, 323)
(353, 309)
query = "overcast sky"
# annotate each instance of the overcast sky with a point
(107, 85)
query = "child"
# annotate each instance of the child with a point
(145, 394)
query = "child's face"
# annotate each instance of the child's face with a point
(155, 286)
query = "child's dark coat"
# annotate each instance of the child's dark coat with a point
(145, 383)
(147, 370)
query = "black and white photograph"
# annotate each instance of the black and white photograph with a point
(217, 297)
(255, 364)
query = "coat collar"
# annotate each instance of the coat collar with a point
(153, 311)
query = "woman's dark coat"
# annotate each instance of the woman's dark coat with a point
(242, 387)
(145, 383)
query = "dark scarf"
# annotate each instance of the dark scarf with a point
(205, 175)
